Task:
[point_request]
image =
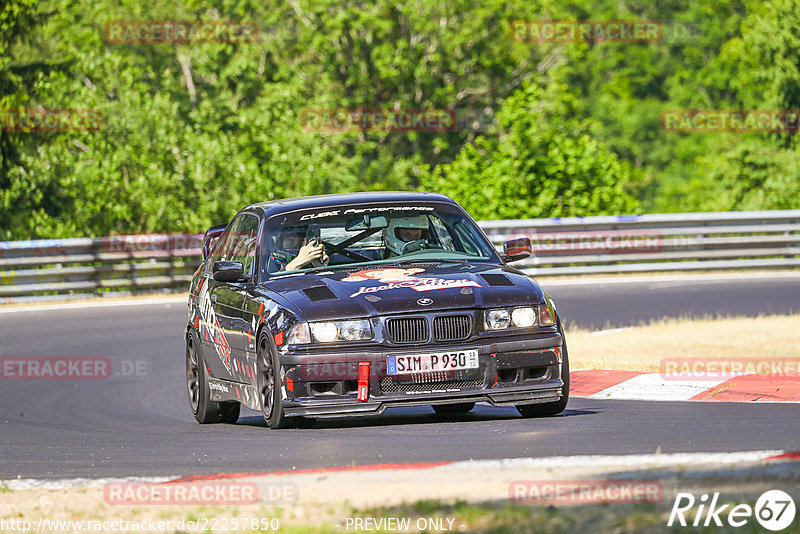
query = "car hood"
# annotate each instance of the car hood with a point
(413, 288)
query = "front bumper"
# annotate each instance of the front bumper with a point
(523, 371)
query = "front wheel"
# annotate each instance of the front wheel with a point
(547, 409)
(269, 385)
(204, 409)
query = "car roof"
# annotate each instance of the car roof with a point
(323, 201)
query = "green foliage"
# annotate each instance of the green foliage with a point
(543, 163)
(192, 132)
(17, 18)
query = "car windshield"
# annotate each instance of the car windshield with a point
(359, 236)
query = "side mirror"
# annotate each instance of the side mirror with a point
(228, 271)
(517, 249)
(211, 238)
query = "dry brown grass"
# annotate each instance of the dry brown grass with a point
(641, 348)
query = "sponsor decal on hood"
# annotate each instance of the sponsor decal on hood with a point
(398, 278)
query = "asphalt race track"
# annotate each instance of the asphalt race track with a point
(621, 302)
(138, 422)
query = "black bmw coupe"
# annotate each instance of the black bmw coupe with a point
(348, 304)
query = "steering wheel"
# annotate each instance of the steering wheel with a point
(413, 246)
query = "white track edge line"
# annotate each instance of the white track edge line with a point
(625, 460)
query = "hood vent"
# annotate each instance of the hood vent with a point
(318, 293)
(497, 280)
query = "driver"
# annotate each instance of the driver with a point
(293, 252)
(403, 230)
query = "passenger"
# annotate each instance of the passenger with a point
(403, 230)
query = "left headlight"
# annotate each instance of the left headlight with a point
(503, 318)
(330, 331)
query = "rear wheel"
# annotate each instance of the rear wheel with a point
(547, 409)
(461, 407)
(203, 408)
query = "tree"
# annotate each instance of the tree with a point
(543, 163)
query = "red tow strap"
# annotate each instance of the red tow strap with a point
(363, 381)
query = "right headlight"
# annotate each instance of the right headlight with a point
(517, 317)
(523, 317)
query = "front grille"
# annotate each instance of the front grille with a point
(438, 381)
(408, 330)
(452, 327)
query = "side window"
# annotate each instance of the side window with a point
(238, 243)
(242, 244)
(221, 246)
(444, 238)
(467, 241)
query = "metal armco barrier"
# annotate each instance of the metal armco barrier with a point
(84, 266)
(656, 242)
(30, 270)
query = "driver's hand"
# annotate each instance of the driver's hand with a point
(308, 253)
(323, 258)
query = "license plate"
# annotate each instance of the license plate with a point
(429, 363)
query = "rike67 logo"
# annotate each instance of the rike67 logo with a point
(774, 510)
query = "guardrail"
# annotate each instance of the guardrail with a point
(72, 268)
(69, 268)
(656, 242)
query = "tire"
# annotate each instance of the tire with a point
(461, 407)
(548, 409)
(203, 408)
(269, 389)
